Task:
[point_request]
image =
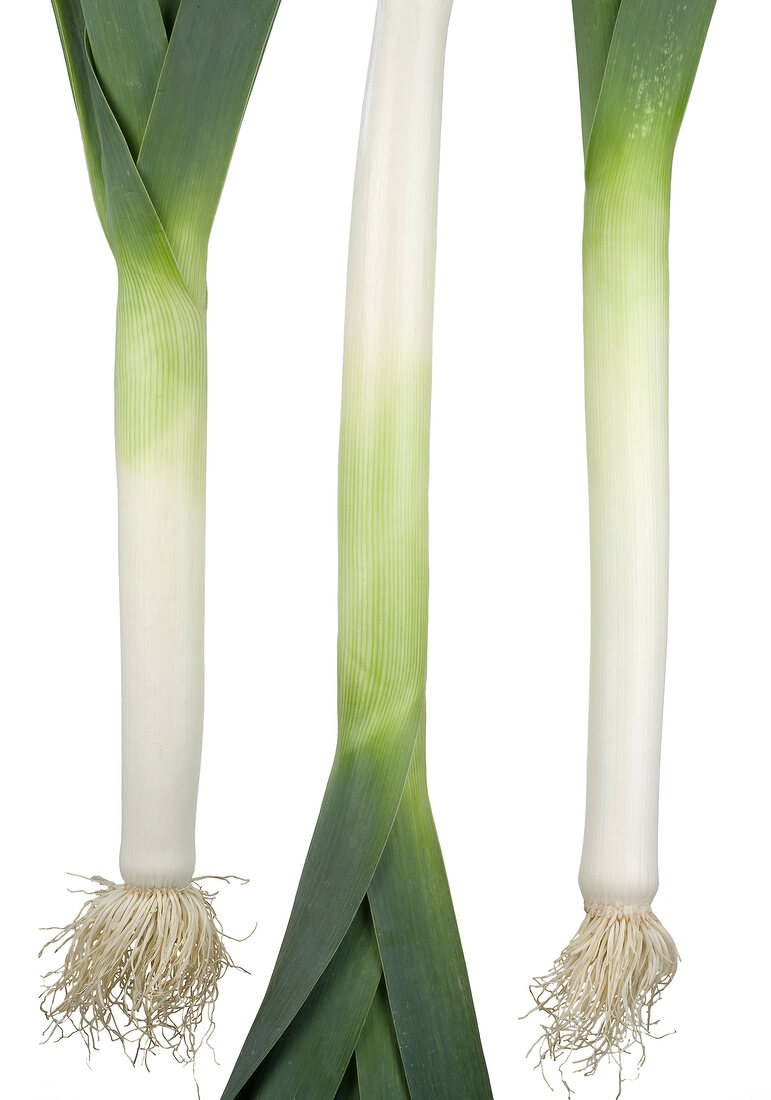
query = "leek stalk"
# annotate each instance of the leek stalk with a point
(370, 995)
(637, 60)
(160, 90)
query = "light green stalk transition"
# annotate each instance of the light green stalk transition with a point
(637, 60)
(160, 88)
(370, 996)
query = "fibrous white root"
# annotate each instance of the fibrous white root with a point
(142, 966)
(602, 989)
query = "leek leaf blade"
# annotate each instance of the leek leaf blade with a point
(128, 42)
(433, 1030)
(357, 813)
(649, 72)
(378, 1061)
(313, 1054)
(211, 63)
(72, 32)
(425, 971)
(593, 22)
(131, 223)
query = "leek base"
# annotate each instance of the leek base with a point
(601, 992)
(143, 965)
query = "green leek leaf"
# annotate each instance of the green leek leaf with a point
(638, 104)
(593, 21)
(131, 223)
(378, 1060)
(356, 816)
(72, 32)
(175, 107)
(315, 1050)
(425, 972)
(214, 53)
(128, 42)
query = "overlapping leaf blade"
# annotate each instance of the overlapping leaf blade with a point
(72, 32)
(214, 53)
(593, 22)
(128, 42)
(357, 813)
(178, 106)
(130, 221)
(313, 1054)
(636, 70)
(425, 972)
(378, 1060)
(431, 1046)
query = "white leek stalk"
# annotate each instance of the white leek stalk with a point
(159, 115)
(637, 60)
(160, 372)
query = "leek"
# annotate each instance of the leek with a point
(637, 60)
(370, 996)
(160, 88)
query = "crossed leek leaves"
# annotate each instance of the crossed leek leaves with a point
(370, 995)
(370, 992)
(160, 88)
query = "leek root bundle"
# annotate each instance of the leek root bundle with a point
(160, 88)
(370, 996)
(637, 60)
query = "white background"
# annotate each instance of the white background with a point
(509, 637)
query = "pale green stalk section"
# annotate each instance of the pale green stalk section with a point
(160, 377)
(626, 361)
(383, 596)
(384, 439)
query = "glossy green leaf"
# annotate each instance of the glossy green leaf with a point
(211, 63)
(131, 223)
(128, 42)
(593, 22)
(177, 106)
(312, 1055)
(425, 972)
(72, 32)
(636, 71)
(378, 1061)
(360, 804)
(429, 998)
